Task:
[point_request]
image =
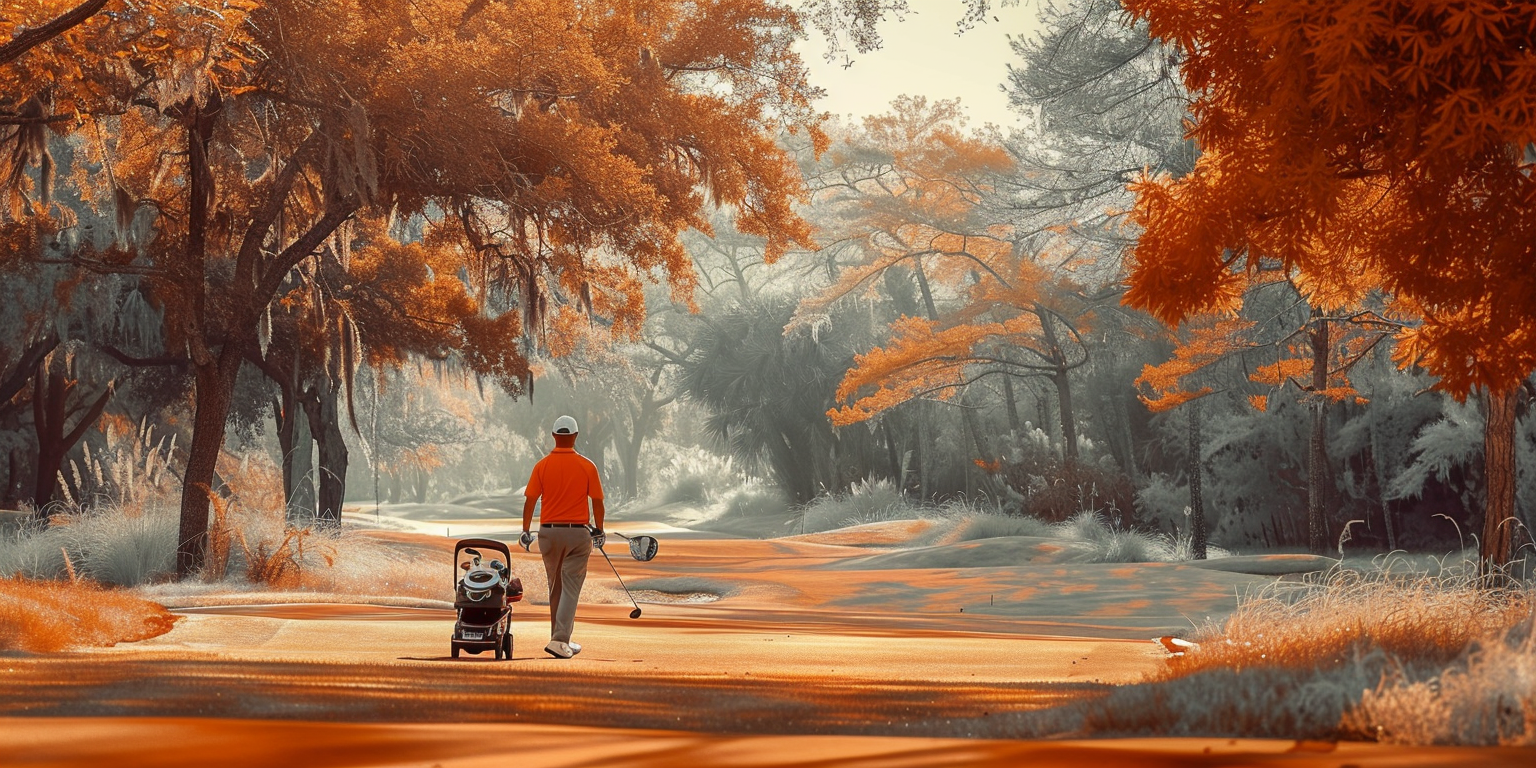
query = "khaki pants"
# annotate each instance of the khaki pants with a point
(565, 552)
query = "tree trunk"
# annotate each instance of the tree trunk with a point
(1196, 495)
(13, 478)
(1379, 481)
(51, 389)
(1068, 423)
(48, 395)
(1499, 519)
(421, 485)
(215, 384)
(973, 431)
(923, 445)
(1122, 410)
(320, 405)
(213, 376)
(629, 457)
(1014, 425)
(890, 452)
(1317, 445)
(922, 284)
(298, 449)
(1059, 377)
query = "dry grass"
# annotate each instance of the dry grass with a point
(1324, 621)
(47, 616)
(1413, 659)
(356, 563)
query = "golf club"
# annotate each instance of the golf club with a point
(642, 548)
(635, 614)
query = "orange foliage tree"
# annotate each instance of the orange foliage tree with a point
(368, 299)
(1363, 135)
(570, 143)
(911, 191)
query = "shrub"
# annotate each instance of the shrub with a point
(754, 499)
(694, 477)
(975, 524)
(111, 543)
(1043, 485)
(868, 501)
(131, 549)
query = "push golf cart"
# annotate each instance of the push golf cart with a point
(484, 590)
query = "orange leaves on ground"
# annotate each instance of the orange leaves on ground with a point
(47, 616)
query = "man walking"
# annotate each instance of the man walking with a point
(565, 480)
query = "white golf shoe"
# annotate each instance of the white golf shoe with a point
(561, 650)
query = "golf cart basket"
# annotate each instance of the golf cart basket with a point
(483, 592)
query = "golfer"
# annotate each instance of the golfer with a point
(565, 480)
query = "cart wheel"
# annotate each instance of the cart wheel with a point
(455, 651)
(496, 652)
(506, 646)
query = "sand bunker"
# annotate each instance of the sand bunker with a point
(981, 553)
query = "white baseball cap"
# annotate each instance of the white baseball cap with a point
(565, 425)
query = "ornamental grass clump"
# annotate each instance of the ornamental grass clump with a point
(1416, 659)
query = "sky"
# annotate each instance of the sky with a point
(923, 56)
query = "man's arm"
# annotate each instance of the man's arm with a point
(528, 504)
(597, 513)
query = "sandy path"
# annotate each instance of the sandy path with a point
(49, 743)
(681, 666)
(803, 660)
(676, 639)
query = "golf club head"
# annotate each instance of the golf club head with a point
(635, 614)
(643, 548)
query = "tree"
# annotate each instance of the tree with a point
(913, 189)
(768, 393)
(1366, 135)
(569, 144)
(367, 299)
(1102, 101)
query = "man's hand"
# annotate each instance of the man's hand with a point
(525, 541)
(599, 538)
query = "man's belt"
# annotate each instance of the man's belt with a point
(562, 525)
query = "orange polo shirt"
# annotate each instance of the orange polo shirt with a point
(566, 479)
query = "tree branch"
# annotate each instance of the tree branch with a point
(31, 38)
(24, 367)
(90, 418)
(143, 362)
